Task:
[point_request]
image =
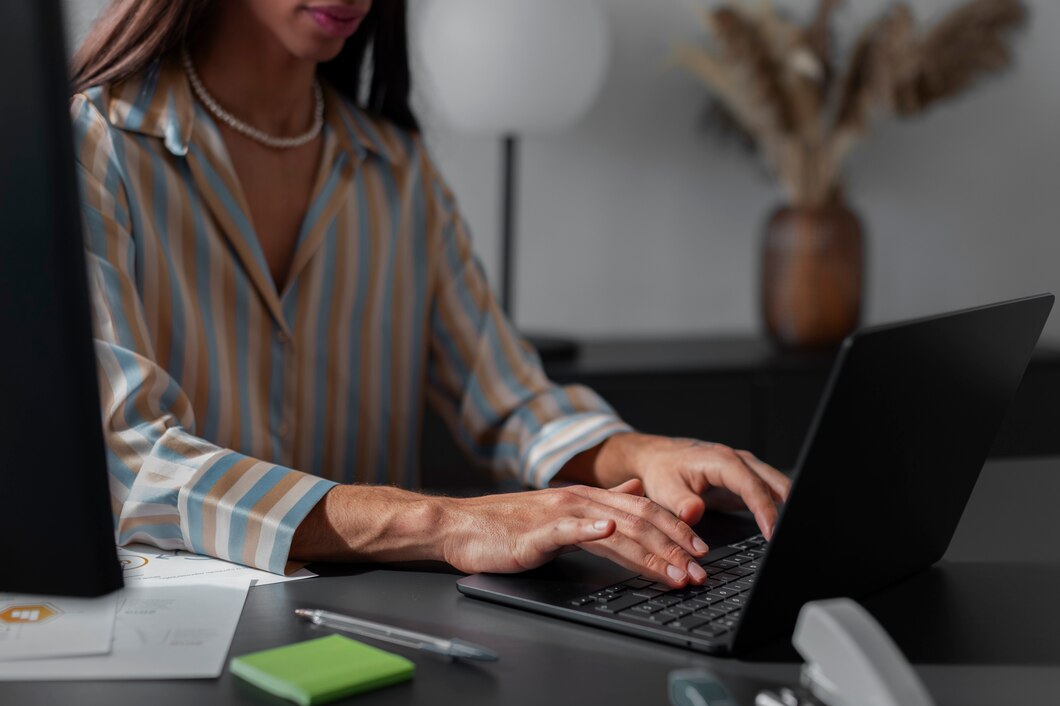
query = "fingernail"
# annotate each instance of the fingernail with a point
(675, 573)
(696, 571)
(699, 545)
(600, 525)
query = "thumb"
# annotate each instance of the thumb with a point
(633, 486)
(675, 494)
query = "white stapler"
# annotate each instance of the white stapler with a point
(851, 660)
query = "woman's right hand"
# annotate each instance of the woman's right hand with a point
(519, 531)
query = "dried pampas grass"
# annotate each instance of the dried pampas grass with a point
(776, 82)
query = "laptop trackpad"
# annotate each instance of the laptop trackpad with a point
(569, 576)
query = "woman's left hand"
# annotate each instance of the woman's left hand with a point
(686, 476)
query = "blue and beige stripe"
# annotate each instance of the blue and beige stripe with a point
(216, 386)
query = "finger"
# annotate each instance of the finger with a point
(568, 532)
(737, 476)
(633, 486)
(678, 493)
(631, 554)
(645, 539)
(779, 484)
(630, 514)
(655, 518)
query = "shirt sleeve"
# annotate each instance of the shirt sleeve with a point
(169, 488)
(486, 381)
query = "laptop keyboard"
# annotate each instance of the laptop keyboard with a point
(710, 611)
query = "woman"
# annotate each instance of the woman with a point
(281, 278)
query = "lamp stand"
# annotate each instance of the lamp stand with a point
(509, 161)
(548, 347)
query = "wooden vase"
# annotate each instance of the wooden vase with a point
(812, 273)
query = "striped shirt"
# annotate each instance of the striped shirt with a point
(229, 407)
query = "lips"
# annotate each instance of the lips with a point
(337, 20)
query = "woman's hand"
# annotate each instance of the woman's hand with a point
(519, 531)
(686, 476)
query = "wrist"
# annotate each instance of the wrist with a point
(434, 519)
(618, 458)
(414, 528)
(454, 522)
(605, 465)
(370, 523)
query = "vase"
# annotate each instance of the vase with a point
(812, 273)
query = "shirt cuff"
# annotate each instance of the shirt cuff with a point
(244, 510)
(562, 439)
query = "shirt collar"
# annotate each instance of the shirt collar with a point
(159, 103)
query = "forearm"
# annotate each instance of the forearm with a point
(371, 524)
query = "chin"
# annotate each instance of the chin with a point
(317, 50)
(322, 55)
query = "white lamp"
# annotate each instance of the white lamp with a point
(508, 68)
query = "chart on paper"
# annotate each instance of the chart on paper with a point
(143, 564)
(51, 626)
(174, 631)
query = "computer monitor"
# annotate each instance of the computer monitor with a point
(56, 525)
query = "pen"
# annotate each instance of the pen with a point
(450, 648)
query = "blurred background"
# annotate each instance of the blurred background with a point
(638, 222)
(640, 231)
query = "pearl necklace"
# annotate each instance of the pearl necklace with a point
(250, 131)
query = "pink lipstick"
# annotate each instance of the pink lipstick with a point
(337, 20)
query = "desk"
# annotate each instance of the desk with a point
(1005, 547)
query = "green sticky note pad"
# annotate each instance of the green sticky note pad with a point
(321, 670)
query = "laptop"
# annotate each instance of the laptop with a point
(904, 426)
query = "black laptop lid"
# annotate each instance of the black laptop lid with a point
(901, 433)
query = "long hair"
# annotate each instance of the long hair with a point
(131, 34)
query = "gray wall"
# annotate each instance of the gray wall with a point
(79, 15)
(635, 222)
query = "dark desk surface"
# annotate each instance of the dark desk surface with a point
(981, 627)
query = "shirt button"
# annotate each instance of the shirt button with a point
(282, 337)
(283, 429)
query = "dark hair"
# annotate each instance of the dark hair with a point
(131, 34)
